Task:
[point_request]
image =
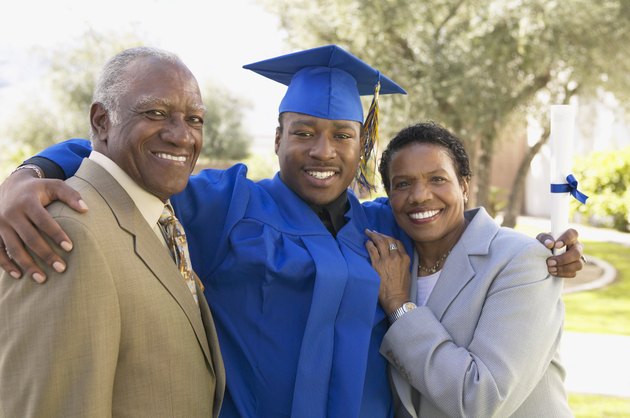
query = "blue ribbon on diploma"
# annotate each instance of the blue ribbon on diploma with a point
(569, 187)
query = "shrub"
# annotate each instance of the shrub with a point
(605, 178)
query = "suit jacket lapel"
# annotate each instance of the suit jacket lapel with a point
(216, 359)
(147, 246)
(459, 267)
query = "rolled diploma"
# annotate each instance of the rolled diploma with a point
(561, 132)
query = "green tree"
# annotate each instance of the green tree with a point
(224, 136)
(62, 106)
(605, 177)
(475, 65)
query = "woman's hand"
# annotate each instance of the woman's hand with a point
(391, 262)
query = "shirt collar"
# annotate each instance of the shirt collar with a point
(333, 213)
(149, 205)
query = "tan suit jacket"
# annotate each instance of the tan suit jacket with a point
(118, 334)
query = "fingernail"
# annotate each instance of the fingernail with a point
(552, 263)
(59, 266)
(559, 244)
(15, 274)
(553, 270)
(82, 204)
(548, 243)
(39, 278)
(66, 245)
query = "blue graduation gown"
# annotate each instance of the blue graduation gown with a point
(295, 308)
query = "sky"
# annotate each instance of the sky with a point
(214, 38)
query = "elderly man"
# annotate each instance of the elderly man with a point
(125, 331)
(283, 260)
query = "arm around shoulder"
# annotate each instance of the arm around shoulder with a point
(24, 221)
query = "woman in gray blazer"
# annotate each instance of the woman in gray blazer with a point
(477, 321)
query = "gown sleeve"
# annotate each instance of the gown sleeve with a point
(62, 160)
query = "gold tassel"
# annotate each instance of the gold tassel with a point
(367, 166)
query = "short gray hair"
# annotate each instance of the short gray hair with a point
(114, 81)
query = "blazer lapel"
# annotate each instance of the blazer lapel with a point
(216, 359)
(147, 246)
(459, 267)
(158, 260)
(457, 272)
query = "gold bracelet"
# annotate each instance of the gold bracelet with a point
(36, 169)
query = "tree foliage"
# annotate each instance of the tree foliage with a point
(605, 177)
(62, 105)
(224, 136)
(473, 65)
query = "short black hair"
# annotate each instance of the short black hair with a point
(426, 133)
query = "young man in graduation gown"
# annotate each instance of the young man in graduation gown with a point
(283, 260)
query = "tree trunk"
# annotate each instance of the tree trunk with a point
(515, 201)
(484, 169)
(472, 147)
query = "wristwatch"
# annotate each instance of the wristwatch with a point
(406, 307)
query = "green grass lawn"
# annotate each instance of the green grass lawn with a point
(606, 310)
(595, 406)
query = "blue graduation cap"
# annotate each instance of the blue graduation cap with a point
(325, 82)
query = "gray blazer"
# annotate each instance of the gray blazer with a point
(118, 334)
(486, 343)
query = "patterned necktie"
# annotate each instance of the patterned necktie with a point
(175, 237)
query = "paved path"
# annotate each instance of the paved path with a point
(595, 363)
(586, 232)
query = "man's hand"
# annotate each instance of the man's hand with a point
(571, 261)
(24, 221)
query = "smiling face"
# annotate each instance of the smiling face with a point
(426, 195)
(318, 157)
(159, 136)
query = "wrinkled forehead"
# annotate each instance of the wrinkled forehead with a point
(194, 105)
